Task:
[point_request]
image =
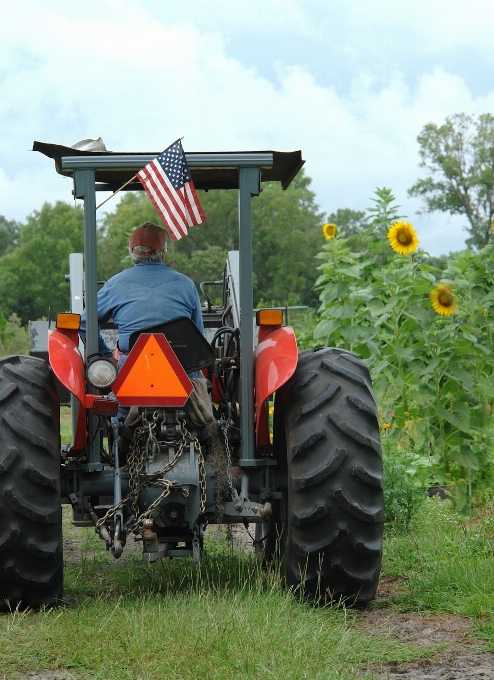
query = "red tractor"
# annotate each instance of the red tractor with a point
(188, 459)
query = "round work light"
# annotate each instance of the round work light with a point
(101, 374)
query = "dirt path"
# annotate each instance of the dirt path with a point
(460, 659)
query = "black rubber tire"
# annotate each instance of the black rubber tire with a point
(326, 430)
(31, 557)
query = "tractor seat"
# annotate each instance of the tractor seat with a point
(191, 347)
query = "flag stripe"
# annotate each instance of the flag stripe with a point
(192, 214)
(168, 210)
(170, 228)
(160, 178)
(162, 184)
(197, 206)
(161, 208)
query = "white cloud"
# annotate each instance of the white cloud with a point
(138, 78)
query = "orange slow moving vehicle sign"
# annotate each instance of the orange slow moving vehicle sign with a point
(152, 375)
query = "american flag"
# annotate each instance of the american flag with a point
(169, 185)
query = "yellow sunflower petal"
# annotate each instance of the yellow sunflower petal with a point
(402, 238)
(443, 300)
(329, 230)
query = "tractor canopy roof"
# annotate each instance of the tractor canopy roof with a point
(209, 170)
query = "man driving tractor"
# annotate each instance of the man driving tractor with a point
(147, 294)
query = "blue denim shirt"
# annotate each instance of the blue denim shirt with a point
(146, 295)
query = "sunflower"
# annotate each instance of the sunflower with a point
(403, 238)
(329, 230)
(443, 300)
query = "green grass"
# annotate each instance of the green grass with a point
(448, 560)
(229, 618)
(192, 634)
(65, 425)
(125, 619)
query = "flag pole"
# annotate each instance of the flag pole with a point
(123, 186)
(116, 192)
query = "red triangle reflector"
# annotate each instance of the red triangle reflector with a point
(152, 375)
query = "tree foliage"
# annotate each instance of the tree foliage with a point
(459, 159)
(286, 237)
(14, 338)
(350, 225)
(32, 274)
(9, 234)
(349, 222)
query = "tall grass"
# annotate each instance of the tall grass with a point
(65, 425)
(229, 617)
(447, 559)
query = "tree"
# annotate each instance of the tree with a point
(220, 230)
(32, 276)
(113, 234)
(286, 237)
(14, 339)
(9, 233)
(459, 158)
(349, 222)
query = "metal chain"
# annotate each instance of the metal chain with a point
(130, 496)
(202, 470)
(255, 541)
(168, 485)
(225, 426)
(135, 461)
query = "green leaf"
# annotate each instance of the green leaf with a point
(418, 434)
(459, 419)
(325, 329)
(365, 294)
(462, 377)
(358, 333)
(376, 350)
(469, 337)
(335, 291)
(405, 353)
(466, 458)
(464, 348)
(343, 312)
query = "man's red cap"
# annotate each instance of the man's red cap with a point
(150, 236)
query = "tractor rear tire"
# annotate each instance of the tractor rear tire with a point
(328, 439)
(31, 557)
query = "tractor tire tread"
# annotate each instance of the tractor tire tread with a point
(334, 510)
(31, 557)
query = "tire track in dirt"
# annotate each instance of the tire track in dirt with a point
(461, 659)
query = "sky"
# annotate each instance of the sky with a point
(349, 82)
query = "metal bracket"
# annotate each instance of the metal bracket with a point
(196, 543)
(118, 541)
(257, 462)
(255, 512)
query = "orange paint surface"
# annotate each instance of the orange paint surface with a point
(152, 375)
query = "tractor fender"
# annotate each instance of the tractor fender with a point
(276, 358)
(68, 365)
